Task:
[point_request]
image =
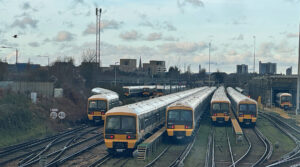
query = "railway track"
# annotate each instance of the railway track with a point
(222, 154)
(293, 156)
(259, 149)
(52, 150)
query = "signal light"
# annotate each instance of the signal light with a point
(187, 127)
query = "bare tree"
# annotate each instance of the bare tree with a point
(88, 56)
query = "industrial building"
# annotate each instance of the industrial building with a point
(127, 65)
(267, 68)
(242, 69)
(154, 67)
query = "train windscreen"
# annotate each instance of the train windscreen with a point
(247, 109)
(180, 117)
(120, 125)
(220, 108)
(285, 98)
(97, 105)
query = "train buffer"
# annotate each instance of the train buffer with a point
(150, 144)
(237, 130)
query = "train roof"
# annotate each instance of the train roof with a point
(238, 97)
(133, 87)
(109, 96)
(220, 95)
(239, 89)
(101, 91)
(147, 106)
(194, 100)
(284, 94)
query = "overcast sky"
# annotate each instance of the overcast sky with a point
(177, 31)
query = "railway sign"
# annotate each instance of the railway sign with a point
(53, 115)
(53, 109)
(61, 115)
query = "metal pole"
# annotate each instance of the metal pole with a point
(100, 11)
(209, 45)
(96, 34)
(115, 75)
(254, 54)
(16, 56)
(298, 83)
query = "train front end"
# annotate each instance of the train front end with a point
(179, 121)
(120, 132)
(96, 109)
(247, 113)
(220, 112)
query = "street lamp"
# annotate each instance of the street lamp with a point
(254, 54)
(116, 72)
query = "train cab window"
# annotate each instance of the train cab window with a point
(97, 105)
(216, 106)
(173, 115)
(120, 125)
(180, 116)
(243, 107)
(186, 115)
(224, 107)
(285, 99)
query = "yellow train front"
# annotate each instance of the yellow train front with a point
(182, 116)
(245, 108)
(99, 104)
(220, 106)
(180, 121)
(284, 100)
(127, 126)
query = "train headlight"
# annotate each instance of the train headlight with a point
(92, 113)
(215, 114)
(171, 126)
(188, 127)
(109, 136)
(131, 136)
(102, 113)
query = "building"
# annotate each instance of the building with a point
(242, 69)
(154, 67)
(289, 71)
(267, 68)
(127, 65)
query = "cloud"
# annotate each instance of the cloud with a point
(240, 37)
(105, 24)
(170, 38)
(158, 25)
(26, 6)
(154, 36)
(130, 35)
(25, 22)
(292, 35)
(182, 47)
(34, 44)
(63, 36)
(194, 3)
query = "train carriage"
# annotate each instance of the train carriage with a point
(183, 115)
(99, 104)
(284, 100)
(220, 106)
(130, 91)
(148, 90)
(127, 126)
(244, 108)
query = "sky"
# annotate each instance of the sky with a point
(177, 31)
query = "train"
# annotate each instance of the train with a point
(182, 116)
(99, 103)
(130, 91)
(244, 108)
(151, 90)
(127, 126)
(284, 100)
(220, 106)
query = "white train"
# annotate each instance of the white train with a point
(220, 106)
(183, 115)
(244, 108)
(127, 126)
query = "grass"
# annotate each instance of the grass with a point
(20, 120)
(198, 153)
(285, 144)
